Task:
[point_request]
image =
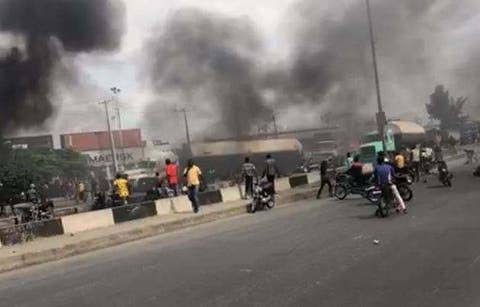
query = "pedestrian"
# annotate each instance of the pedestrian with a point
(193, 176)
(270, 171)
(248, 172)
(87, 197)
(438, 153)
(325, 178)
(171, 175)
(159, 184)
(470, 155)
(415, 162)
(384, 174)
(80, 191)
(356, 171)
(121, 189)
(349, 160)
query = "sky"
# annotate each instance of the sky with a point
(123, 68)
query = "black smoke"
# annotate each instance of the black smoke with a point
(332, 61)
(209, 62)
(48, 28)
(218, 62)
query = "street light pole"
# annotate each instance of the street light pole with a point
(112, 142)
(275, 128)
(187, 130)
(116, 91)
(381, 117)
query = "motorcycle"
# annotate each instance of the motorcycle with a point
(403, 184)
(476, 173)
(385, 204)
(263, 196)
(103, 201)
(346, 186)
(444, 176)
(33, 212)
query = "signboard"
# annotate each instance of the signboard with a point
(102, 158)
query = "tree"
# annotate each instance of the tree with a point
(446, 109)
(21, 167)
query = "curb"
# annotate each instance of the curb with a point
(69, 250)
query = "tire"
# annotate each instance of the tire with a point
(372, 198)
(270, 204)
(252, 207)
(341, 192)
(405, 192)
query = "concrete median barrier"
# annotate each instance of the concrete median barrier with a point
(313, 178)
(210, 197)
(282, 184)
(164, 206)
(28, 232)
(181, 204)
(298, 180)
(87, 221)
(231, 194)
(133, 212)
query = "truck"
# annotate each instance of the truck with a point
(222, 159)
(398, 135)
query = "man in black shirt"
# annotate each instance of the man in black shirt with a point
(325, 179)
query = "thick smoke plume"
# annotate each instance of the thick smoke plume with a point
(332, 62)
(208, 62)
(47, 28)
(214, 61)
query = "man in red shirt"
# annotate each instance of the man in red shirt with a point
(171, 174)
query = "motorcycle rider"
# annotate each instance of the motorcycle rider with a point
(415, 162)
(356, 171)
(384, 174)
(442, 169)
(399, 163)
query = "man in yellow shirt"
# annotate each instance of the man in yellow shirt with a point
(120, 186)
(193, 175)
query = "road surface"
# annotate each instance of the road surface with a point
(310, 253)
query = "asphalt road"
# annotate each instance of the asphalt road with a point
(308, 254)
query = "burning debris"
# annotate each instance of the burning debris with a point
(47, 29)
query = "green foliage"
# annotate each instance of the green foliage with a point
(19, 168)
(446, 109)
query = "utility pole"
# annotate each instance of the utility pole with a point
(187, 130)
(381, 117)
(112, 142)
(275, 128)
(115, 90)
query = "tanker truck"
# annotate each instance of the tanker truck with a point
(398, 135)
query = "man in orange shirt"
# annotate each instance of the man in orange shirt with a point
(171, 174)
